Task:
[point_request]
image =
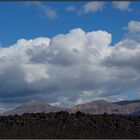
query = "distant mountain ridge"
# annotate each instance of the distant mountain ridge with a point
(125, 102)
(101, 107)
(94, 107)
(33, 106)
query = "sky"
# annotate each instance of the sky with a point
(67, 53)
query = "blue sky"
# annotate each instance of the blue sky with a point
(67, 53)
(24, 20)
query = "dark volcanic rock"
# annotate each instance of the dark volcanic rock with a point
(65, 125)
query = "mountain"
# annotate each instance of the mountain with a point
(131, 108)
(125, 102)
(32, 106)
(101, 107)
(94, 107)
(136, 113)
(97, 107)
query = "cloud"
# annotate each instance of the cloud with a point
(133, 30)
(64, 71)
(5, 107)
(98, 6)
(47, 10)
(122, 5)
(134, 26)
(94, 6)
(85, 97)
(88, 7)
(71, 8)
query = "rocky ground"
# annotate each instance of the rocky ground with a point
(65, 125)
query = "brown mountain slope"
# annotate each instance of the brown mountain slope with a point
(32, 106)
(94, 107)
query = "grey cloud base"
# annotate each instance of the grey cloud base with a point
(69, 69)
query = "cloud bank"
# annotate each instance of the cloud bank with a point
(70, 68)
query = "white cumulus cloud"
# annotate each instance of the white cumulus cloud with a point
(70, 68)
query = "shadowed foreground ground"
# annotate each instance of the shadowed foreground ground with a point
(64, 125)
